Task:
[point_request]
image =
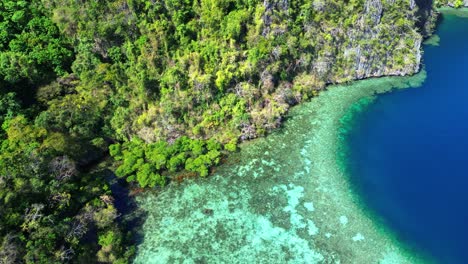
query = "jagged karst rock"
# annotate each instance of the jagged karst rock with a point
(369, 48)
(374, 9)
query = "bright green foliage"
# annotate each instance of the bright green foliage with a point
(31, 47)
(458, 3)
(145, 163)
(107, 239)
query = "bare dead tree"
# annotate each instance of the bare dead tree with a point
(60, 199)
(77, 229)
(237, 90)
(79, 226)
(267, 80)
(32, 216)
(66, 254)
(63, 168)
(34, 163)
(276, 52)
(9, 251)
(33, 213)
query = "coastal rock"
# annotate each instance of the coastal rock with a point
(374, 46)
(370, 51)
(374, 9)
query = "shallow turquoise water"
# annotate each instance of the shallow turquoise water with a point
(409, 152)
(281, 199)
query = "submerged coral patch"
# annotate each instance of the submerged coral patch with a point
(434, 40)
(281, 203)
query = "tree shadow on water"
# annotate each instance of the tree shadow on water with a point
(131, 216)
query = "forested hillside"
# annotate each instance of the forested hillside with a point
(164, 87)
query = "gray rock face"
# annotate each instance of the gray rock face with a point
(370, 63)
(374, 9)
(370, 45)
(374, 49)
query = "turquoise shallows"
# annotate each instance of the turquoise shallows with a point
(282, 199)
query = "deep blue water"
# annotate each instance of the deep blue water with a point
(409, 152)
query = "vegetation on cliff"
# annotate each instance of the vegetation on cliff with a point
(169, 86)
(452, 3)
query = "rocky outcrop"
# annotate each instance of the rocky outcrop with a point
(374, 9)
(369, 61)
(426, 15)
(322, 42)
(373, 47)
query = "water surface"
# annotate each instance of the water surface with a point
(409, 152)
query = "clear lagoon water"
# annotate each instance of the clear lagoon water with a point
(408, 152)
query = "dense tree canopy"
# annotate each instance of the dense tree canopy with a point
(31, 47)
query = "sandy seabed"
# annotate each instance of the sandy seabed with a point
(285, 198)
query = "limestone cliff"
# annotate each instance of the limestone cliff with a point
(374, 43)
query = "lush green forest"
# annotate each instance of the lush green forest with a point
(161, 90)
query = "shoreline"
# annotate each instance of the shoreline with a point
(327, 223)
(354, 102)
(348, 121)
(460, 12)
(343, 156)
(287, 199)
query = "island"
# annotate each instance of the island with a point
(119, 116)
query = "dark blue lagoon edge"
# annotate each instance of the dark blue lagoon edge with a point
(407, 152)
